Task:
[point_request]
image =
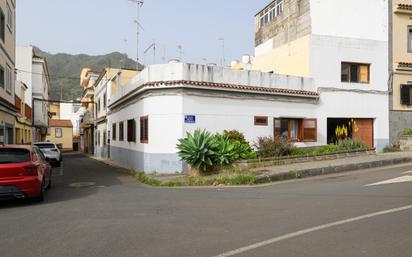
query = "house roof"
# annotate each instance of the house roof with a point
(221, 87)
(61, 123)
(405, 7)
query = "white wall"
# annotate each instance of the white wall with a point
(24, 70)
(367, 19)
(327, 54)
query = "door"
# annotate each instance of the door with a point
(362, 130)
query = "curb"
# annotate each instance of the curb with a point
(262, 179)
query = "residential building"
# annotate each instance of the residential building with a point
(110, 80)
(342, 46)
(88, 78)
(8, 111)
(400, 66)
(61, 133)
(32, 70)
(23, 123)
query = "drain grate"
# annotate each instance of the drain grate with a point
(82, 184)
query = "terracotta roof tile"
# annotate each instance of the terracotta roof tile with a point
(405, 7)
(405, 64)
(61, 123)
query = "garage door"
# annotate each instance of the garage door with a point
(364, 131)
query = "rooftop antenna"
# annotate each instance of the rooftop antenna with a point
(223, 60)
(139, 4)
(180, 51)
(152, 46)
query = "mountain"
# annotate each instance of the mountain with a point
(65, 69)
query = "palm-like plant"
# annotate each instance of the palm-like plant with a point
(198, 150)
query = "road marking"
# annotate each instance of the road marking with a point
(393, 181)
(310, 230)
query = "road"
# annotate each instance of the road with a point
(332, 216)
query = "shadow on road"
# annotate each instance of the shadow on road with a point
(78, 177)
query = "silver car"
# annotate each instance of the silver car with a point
(51, 151)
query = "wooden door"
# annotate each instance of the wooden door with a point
(362, 130)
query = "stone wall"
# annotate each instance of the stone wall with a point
(398, 122)
(293, 23)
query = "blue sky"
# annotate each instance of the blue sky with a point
(100, 26)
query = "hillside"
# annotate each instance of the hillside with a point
(65, 71)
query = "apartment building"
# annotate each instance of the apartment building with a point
(8, 111)
(342, 46)
(400, 66)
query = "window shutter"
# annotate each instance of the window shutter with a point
(310, 130)
(364, 73)
(277, 127)
(406, 94)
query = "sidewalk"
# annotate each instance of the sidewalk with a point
(307, 169)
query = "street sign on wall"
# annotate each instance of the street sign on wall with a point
(190, 119)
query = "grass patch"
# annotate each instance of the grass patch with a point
(226, 179)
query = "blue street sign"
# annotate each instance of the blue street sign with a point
(191, 119)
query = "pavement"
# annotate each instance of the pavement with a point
(316, 168)
(96, 210)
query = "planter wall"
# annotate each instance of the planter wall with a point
(258, 163)
(405, 143)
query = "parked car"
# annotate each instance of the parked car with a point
(51, 151)
(24, 172)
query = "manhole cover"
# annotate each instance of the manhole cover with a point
(82, 184)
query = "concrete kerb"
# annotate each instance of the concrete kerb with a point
(303, 173)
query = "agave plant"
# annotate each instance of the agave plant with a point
(225, 150)
(198, 150)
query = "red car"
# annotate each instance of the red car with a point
(24, 172)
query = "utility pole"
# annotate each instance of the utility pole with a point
(139, 4)
(223, 61)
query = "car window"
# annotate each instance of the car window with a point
(45, 146)
(12, 155)
(39, 154)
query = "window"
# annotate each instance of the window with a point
(9, 79)
(58, 132)
(98, 104)
(121, 131)
(261, 121)
(10, 18)
(410, 39)
(298, 130)
(131, 130)
(2, 25)
(355, 72)
(104, 100)
(271, 12)
(406, 94)
(98, 138)
(2, 77)
(144, 130)
(104, 138)
(114, 134)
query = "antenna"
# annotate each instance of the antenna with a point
(139, 4)
(153, 45)
(164, 54)
(223, 60)
(180, 51)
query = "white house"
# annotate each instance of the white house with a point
(32, 70)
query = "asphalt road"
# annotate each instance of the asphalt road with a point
(333, 216)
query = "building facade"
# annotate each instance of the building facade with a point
(33, 71)
(342, 46)
(23, 124)
(400, 66)
(61, 133)
(8, 111)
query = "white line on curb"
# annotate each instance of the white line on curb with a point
(310, 230)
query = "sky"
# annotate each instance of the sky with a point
(97, 27)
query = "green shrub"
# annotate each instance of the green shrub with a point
(273, 147)
(350, 144)
(235, 135)
(407, 132)
(225, 150)
(392, 149)
(199, 150)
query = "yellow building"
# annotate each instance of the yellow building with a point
(61, 133)
(55, 111)
(400, 56)
(23, 123)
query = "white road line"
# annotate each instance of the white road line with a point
(310, 230)
(402, 179)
